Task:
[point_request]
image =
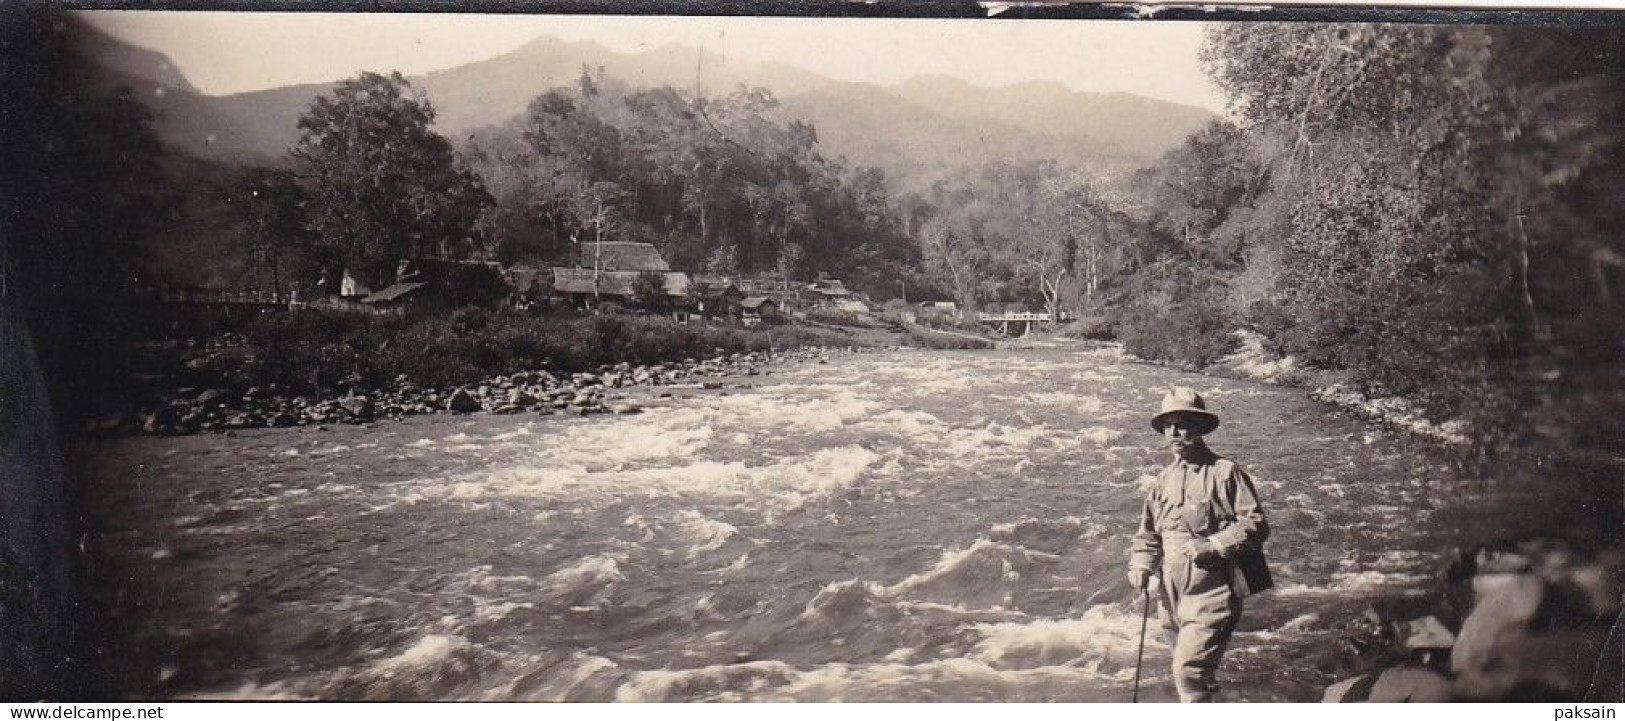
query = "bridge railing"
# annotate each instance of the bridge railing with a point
(1012, 317)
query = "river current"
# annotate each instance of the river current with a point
(895, 526)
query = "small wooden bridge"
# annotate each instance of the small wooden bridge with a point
(1015, 323)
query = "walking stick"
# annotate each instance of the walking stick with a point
(1139, 656)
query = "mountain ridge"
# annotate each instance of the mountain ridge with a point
(915, 130)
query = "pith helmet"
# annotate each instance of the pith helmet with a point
(1185, 402)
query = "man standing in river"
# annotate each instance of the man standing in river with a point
(1202, 533)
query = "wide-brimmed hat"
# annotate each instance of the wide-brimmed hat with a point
(1185, 402)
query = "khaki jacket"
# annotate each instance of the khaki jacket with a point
(1213, 502)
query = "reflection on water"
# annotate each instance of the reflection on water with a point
(904, 526)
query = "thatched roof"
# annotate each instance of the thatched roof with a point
(392, 293)
(621, 256)
(578, 281)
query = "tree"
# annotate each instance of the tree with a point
(649, 291)
(271, 205)
(1437, 192)
(383, 185)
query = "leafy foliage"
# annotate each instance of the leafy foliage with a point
(383, 185)
(716, 183)
(1436, 207)
(319, 352)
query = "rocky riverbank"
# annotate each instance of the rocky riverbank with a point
(1527, 620)
(185, 411)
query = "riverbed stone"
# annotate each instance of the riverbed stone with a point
(1410, 685)
(1350, 690)
(1427, 634)
(359, 406)
(211, 397)
(461, 401)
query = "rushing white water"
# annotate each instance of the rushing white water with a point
(907, 525)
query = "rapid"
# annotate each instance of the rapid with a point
(897, 526)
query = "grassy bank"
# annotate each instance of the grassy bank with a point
(320, 353)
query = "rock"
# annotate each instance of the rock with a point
(359, 406)
(518, 397)
(711, 385)
(461, 401)
(1512, 646)
(1410, 685)
(1427, 633)
(1351, 690)
(211, 398)
(507, 409)
(625, 409)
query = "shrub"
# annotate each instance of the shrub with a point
(321, 352)
(1179, 319)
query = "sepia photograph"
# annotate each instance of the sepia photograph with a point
(988, 352)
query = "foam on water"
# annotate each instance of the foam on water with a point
(703, 533)
(983, 573)
(431, 650)
(1048, 535)
(1344, 584)
(1103, 633)
(775, 488)
(797, 414)
(590, 573)
(1099, 436)
(887, 681)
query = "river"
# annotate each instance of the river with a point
(894, 526)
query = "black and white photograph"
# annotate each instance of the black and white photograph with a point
(991, 352)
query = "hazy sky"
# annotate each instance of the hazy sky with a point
(223, 53)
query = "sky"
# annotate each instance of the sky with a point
(223, 53)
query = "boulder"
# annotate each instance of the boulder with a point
(1534, 632)
(520, 399)
(1427, 634)
(359, 406)
(461, 401)
(211, 397)
(1410, 685)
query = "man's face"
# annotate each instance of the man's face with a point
(1181, 435)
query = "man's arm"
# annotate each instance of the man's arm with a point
(1145, 551)
(1249, 529)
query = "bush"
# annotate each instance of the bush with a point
(1091, 327)
(1177, 319)
(320, 352)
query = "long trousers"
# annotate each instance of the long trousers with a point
(1200, 613)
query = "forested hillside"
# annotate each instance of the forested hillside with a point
(1432, 210)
